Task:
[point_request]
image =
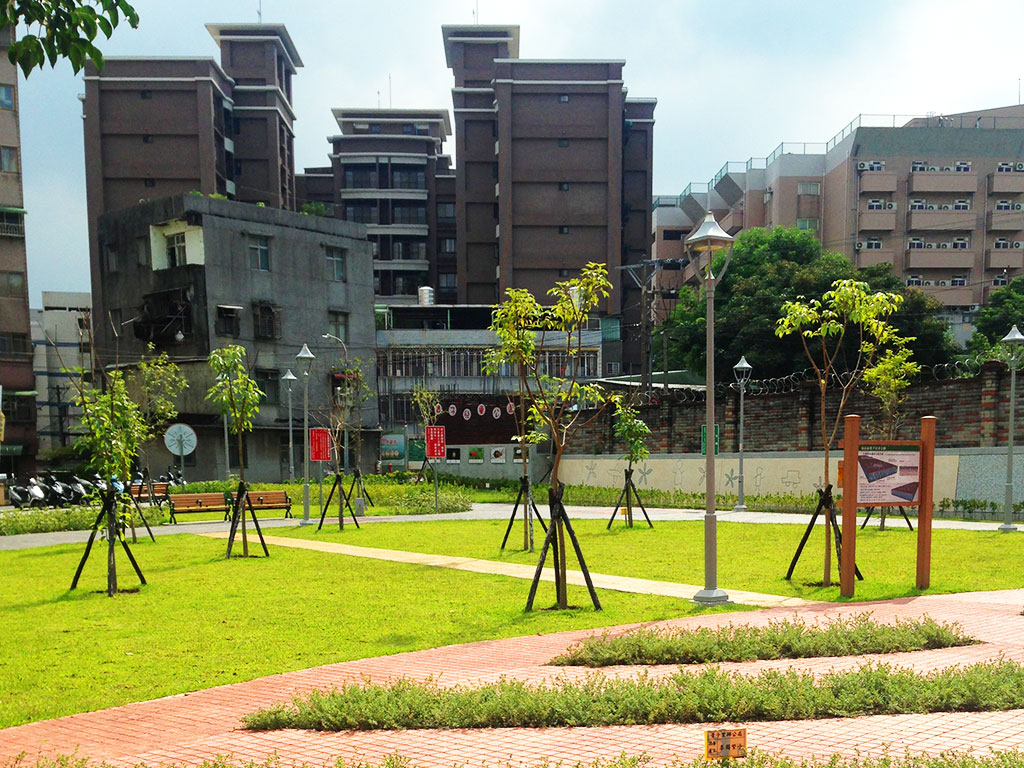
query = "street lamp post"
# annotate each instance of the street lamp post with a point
(305, 358)
(344, 346)
(227, 449)
(290, 377)
(1014, 339)
(707, 239)
(742, 371)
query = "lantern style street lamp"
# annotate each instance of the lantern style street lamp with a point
(741, 371)
(1013, 339)
(305, 358)
(705, 242)
(289, 377)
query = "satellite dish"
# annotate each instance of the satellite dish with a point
(180, 439)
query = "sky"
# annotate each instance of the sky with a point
(733, 80)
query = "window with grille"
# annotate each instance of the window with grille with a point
(269, 382)
(446, 281)
(958, 280)
(19, 408)
(337, 324)
(12, 284)
(228, 321)
(9, 159)
(808, 224)
(335, 264)
(266, 320)
(14, 344)
(176, 250)
(446, 211)
(259, 253)
(808, 188)
(446, 245)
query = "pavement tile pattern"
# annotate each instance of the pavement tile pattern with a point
(188, 728)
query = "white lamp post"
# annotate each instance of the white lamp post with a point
(305, 358)
(290, 377)
(742, 371)
(1014, 339)
(227, 449)
(705, 241)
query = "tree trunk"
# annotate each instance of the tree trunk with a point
(111, 541)
(241, 476)
(826, 579)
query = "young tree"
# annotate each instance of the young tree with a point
(843, 335)
(427, 405)
(887, 381)
(62, 29)
(559, 405)
(237, 396)
(633, 432)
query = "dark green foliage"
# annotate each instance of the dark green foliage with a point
(770, 267)
(1005, 308)
(709, 696)
(779, 640)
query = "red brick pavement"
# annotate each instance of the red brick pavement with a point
(195, 726)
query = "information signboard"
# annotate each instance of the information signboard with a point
(888, 475)
(725, 743)
(319, 444)
(435, 443)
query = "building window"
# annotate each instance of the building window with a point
(613, 368)
(228, 321)
(146, 95)
(12, 284)
(563, 142)
(337, 324)
(1004, 205)
(919, 165)
(873, 244)
(147, 139)
(375, 128)
(564, 186)
(962, 166)
(19, 408)
(408, 128)
(959, 281)
(361, 178)
(110, 258)
(913, 280)
(409, 179)
(12, 224)
(6, 97)
(9, 159)
(563, 230)
(1001, 244)
(563, 98)
(809, 224)
(268, 380)
(672, 234)
(445, 211)
(808, 188)
(446, 245)
(446, 281)
(1000, 279)
(1004, 168)
(149, 183)
(14, 344)
(915, 242)
(962, 205)
(335, 264)
(364, 213)
(918, 205)
(266, 321)
(563, 273)
(142, 251)
(176, 250)
(876, 205)
(259, 253)
(961, 243)
(233, 451)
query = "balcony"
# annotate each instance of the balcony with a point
(942, 220)
(940, 258)
(869, 257)
(732, 222)
(878, 220)
(951, 296)
(1005, 221)
(877, 181)
(942, 181)
(1004, 258)
(1005, 183)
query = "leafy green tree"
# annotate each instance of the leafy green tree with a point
(848, 317)
(350, 392)
(238, 397)
(558, 407)
(888, 381)
(426, 403)
(313, 208)
(62, 29)
(633, 432)
(1005, 308)
(773, 266)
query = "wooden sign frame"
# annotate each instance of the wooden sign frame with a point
(851, 446)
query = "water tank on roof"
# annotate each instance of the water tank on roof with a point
(426, 296)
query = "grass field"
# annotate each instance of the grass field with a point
(204, 621)
(751, 557)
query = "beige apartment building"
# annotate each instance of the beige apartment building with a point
(940, 198)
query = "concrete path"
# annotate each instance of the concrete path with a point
(193, 727)
(485, 512)
(520, 571)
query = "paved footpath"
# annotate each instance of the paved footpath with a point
(189, 728)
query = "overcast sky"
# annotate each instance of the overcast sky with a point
(732, 80)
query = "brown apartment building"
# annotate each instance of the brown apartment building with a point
(388, 172)
(554, 170)
(940, 198)
(18, 445)
(156, 127)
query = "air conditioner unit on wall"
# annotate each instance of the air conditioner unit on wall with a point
(1018, 166)
(933, 207)
(928, 282)
(933, 167)
(947, 207)
(929, 245)
(943, 282)
(947, 168)
(864, 166)
(943, 245)
(859, 245)
(1018, 244)
(890, 206)
(1018, 207)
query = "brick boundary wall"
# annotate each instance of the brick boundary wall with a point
(972, 413)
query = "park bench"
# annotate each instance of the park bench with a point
(181, 503)
(269, 500)
(140, 492)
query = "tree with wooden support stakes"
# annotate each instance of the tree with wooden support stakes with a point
(426, 403)
(559, 406)
(348, 393)
(633, 431)
(844, 334)
(237, 396)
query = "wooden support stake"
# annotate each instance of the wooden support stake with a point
(924, 511)
(848, 554)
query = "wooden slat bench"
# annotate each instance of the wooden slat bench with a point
(270, 500)
(180, 503)
(141, 492)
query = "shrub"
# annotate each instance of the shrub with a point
(79, 518)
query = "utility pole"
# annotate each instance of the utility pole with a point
(643, 274)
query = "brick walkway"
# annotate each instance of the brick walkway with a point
(192, 727)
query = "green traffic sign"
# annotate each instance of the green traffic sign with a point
(704, 439)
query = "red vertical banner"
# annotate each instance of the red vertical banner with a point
(436, 448)
(319, 444)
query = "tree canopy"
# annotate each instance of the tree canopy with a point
(57, 29)
(1005, 308)
(770, 267)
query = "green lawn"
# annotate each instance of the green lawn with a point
(752, 557)
(204, 621)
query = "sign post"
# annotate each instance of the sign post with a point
(725, 743)
(180, 439)
(436, 449)
(320, 450)
(704, 439)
